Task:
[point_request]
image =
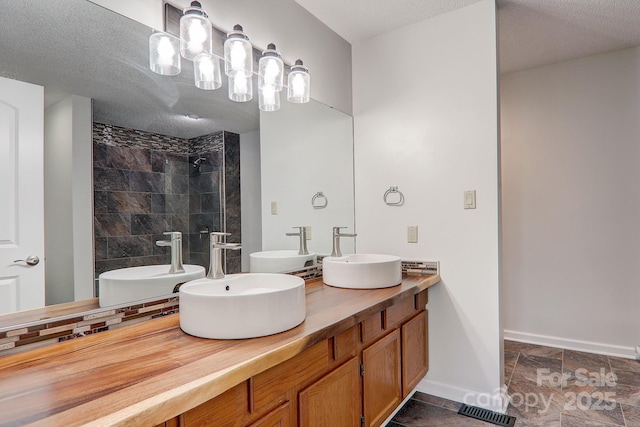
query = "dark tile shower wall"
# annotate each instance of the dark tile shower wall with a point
(146, 184)
(204, 195)
(232, 198)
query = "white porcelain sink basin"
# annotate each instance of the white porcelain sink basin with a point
(362, 271)
(242, 305)
(279, 261)
(136, 283)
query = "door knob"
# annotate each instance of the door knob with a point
(31, 260)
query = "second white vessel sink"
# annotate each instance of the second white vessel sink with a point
(279, 261)
(362, 271)
(137, 283)
(242, 305)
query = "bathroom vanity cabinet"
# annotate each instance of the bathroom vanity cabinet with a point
(356, 377)
(353, 360)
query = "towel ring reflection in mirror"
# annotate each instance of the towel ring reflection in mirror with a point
(319, 200)
(393, 190)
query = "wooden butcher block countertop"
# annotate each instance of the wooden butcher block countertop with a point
(150, 372)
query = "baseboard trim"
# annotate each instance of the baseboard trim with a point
(569, 344)
(497, 400)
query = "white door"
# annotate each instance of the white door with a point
(21, 196)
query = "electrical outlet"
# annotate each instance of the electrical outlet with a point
(308, 230)
(412, 234)
(274, 208)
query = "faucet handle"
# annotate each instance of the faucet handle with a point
(336, 232)
(174, 234)
(302, 230)
(216, 236)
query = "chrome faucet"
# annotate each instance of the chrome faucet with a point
(303, 240)
(215, 254)
(336, 240)
(176, 250)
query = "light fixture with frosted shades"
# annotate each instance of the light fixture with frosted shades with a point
(268, 98)
(196, 34)
(206, 71)
(164, 56)
(238, 52)
(271, 69)
(240, 86)
(196, 44)
(299, 83)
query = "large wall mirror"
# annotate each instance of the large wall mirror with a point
(129, 155)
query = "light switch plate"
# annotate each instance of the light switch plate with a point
(470, 199)
(274, 208)
(412, 234)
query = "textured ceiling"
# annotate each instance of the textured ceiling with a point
(532, 32)
(104, 56)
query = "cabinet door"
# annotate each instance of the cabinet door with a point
(415, 362)
(334, 400)
(279, 417)
(382, 388)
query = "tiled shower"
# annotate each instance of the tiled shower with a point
(146, 184)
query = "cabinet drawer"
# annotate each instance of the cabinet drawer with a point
(400, 311)
(273, 384)
(372, 328)
(345, 343)
(228, 409)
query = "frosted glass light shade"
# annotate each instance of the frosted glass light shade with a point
(240, 87)
(238, 52)
(164, 57)
(195, 32)
(206, 71)
(299, 84)
(268, 99)
(271, 69)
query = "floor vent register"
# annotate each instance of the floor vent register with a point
(488, 416)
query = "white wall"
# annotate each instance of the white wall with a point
(305, 149)
(68, 195)
(425, 114)
(296, 33)
(250, 195)
(571, 211)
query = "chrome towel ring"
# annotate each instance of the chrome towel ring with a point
(319, 200)
(393, 190)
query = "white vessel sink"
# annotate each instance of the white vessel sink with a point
(137, 283)
(362, 271)
(242, 305)
(279, 261)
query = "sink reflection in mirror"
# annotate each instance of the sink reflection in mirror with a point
(138, 283)
(242, 305)
(279, 261)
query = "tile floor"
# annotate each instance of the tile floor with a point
(549, 387)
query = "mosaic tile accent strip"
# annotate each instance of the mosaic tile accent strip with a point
(207, 143)
(51, 331)
(116, 136)
(421, 267)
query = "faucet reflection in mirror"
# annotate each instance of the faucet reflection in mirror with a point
(196, 44)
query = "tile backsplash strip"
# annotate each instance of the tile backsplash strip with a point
(50, 331)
